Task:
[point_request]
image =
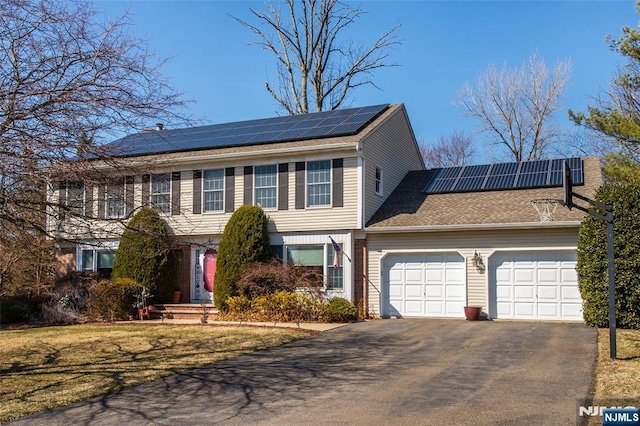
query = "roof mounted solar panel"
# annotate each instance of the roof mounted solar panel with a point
(266, 130)
(503, 176)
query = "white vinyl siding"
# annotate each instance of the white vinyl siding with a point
(266, 186)
(213, 190)
(318, 183)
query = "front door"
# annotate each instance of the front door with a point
(202, 274)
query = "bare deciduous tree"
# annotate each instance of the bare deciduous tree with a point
(515, 106)
(451, 150)
(314, 65)
(68, 83)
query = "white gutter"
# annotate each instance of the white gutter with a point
(472, 227)
(351, 146)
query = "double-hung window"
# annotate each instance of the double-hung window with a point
(319, 183)
(378, 181)
(161, 192)
(213, 190)
(115, 199)
(266, 181)
(75, 198)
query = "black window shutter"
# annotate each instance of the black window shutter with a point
(88, 200)
(300, 183)
(175, 193)
(128, 191)
(146, 184)
(102, 195)
(248, 185)
(62, 198)
(229, 189)
(197, 191)
(338, 183)
(283, 186)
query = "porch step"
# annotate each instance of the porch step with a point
(183, 311)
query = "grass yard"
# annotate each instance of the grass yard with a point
(43, 368)
(620, 377)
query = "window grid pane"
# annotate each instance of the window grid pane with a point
(266, 186)
(213, 189)
(319, 183)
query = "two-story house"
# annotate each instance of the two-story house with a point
(416, 242)
(316, 176)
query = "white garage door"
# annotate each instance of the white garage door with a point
(424, 285)
(535, 285)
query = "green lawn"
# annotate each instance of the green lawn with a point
(44, 368)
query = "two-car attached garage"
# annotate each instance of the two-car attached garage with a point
(535, 285)
(528, 285)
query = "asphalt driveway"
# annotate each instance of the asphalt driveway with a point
(396, 372)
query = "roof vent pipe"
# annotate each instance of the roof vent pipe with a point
(159, 126)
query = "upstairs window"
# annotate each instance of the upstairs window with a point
(378, 181)
(75, 198)
(115, 199)
(319, 183)
(161, 192)
(213, 190)
(266, 181)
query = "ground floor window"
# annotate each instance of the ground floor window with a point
(97, 260)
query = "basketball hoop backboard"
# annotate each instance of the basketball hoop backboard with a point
(567, 187)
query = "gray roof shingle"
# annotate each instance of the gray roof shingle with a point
(408, 206)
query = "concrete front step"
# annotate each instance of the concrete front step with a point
(182, 311)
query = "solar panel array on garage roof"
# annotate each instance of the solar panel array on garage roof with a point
(493, 177)
(253, 132)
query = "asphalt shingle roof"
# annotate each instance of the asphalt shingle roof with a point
(408, 206)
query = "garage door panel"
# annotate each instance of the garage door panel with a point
(434, 292)
(524, 292)
(455, 292)
(523, 275)
(454, 275)
(413, 291)
(413, 275)
(548, 310)
(569, 275)
(434, 276)
(431, 284)
(396, 291)
(548, 276)
(572, 311)
(535, 285)
(413, 307)
(571, 293)
(504, 292)
(453, 308)
(524, 309)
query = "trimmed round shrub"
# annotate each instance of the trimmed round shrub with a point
(112, 300)
(144, 254)
(340, 309)
(245, 240)
(592, 259)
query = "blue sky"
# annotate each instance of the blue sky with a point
(445, 45)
